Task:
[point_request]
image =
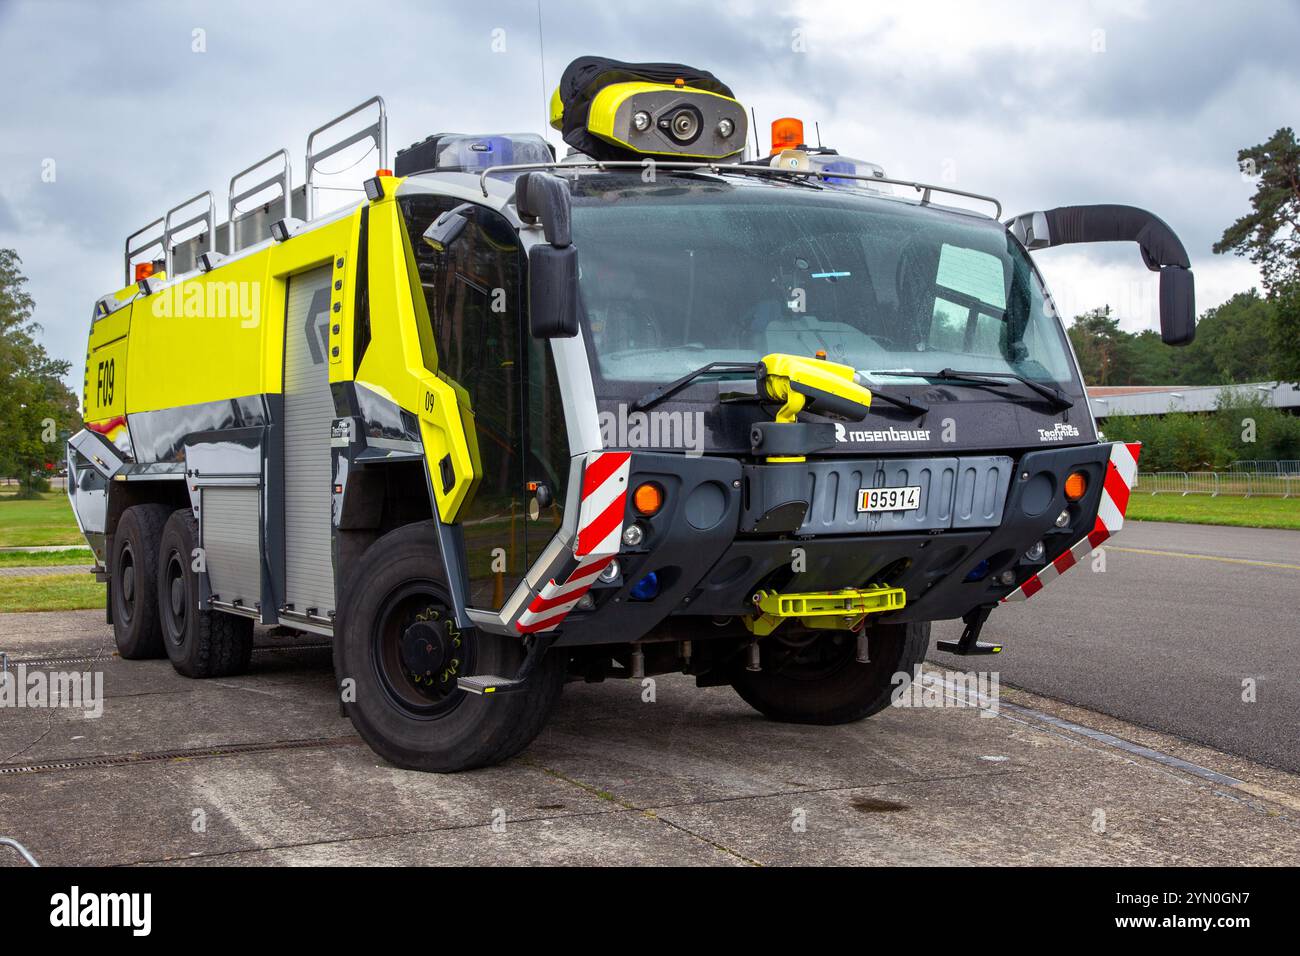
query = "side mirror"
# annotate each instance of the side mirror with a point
(553, 291)
(1177, 305)
(1162, 251)
(553, 300)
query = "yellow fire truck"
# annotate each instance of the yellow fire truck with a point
(665, 404)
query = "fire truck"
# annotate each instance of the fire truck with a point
(668, 403)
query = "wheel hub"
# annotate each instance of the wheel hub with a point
(425, 646)
(128, 584)
(178, 596)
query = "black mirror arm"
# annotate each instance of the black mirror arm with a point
(1065, 225)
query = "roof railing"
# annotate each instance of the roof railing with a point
(282, 179)
(925, 189)
(376, 132)
(131, 252)
(170, 229)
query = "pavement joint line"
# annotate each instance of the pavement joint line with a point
(633, 808)
(55, 661)
(1205, 557)
(843, 788)
(163, 756)
(388, 835)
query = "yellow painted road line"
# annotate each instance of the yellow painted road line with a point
(1206, 557)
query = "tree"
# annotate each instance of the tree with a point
(1100, 344)
(36, 409)
(1270, 236)
(1232, 344)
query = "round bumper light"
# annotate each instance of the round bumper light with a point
(1063, 519)
(648, 498)
(1036, 552)
(1076, 486)
(633, 535)
(609, 574)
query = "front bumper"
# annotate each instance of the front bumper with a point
(710, 549)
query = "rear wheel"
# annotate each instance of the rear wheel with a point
(132, 581)
(398, 653)
(812, 677)
(200, 642)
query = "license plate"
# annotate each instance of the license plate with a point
(889, 499)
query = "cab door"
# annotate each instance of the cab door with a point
(474, 294)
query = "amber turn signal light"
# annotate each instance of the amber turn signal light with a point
(1076, 485)
(648, 498)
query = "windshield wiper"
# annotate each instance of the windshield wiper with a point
(657, 395)
(1049, 392)
(920, 408)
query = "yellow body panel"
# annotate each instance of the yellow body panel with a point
(220, 335)
(401, 362)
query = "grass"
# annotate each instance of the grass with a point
(45, 559)
(50, 592)
(1202, 509)
(28, 522)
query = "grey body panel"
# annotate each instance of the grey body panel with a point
(967, 492)
(308, 416)
(231, 542)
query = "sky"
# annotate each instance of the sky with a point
(116, 111)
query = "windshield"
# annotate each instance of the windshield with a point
(688, 271)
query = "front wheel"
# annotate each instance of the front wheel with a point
(398, 653)
(811, 677)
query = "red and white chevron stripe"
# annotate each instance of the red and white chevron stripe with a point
(1121, 473)
(600, 532)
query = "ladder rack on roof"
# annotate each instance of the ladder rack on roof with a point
(244, 228)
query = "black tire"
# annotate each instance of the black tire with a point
(822, 682)
(199, 641)
(397, 607)
(133, 575)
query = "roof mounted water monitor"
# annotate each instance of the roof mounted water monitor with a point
(1162, 251)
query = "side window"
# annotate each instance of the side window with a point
(473, 298)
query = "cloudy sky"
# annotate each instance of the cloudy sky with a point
(139, 105)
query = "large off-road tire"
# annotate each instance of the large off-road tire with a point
(199, 641)
(133, 572)
(821, 682)
(398, 653)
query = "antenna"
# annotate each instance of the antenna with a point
(541, 55)
(817, 126)
(758, 152)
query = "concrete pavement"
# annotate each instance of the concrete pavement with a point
(1182, 624)
(261, 769)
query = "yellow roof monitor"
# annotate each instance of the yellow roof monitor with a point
(612, 110)
(656, 119)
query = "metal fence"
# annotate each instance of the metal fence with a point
(1240, 484)
(1286, 466)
